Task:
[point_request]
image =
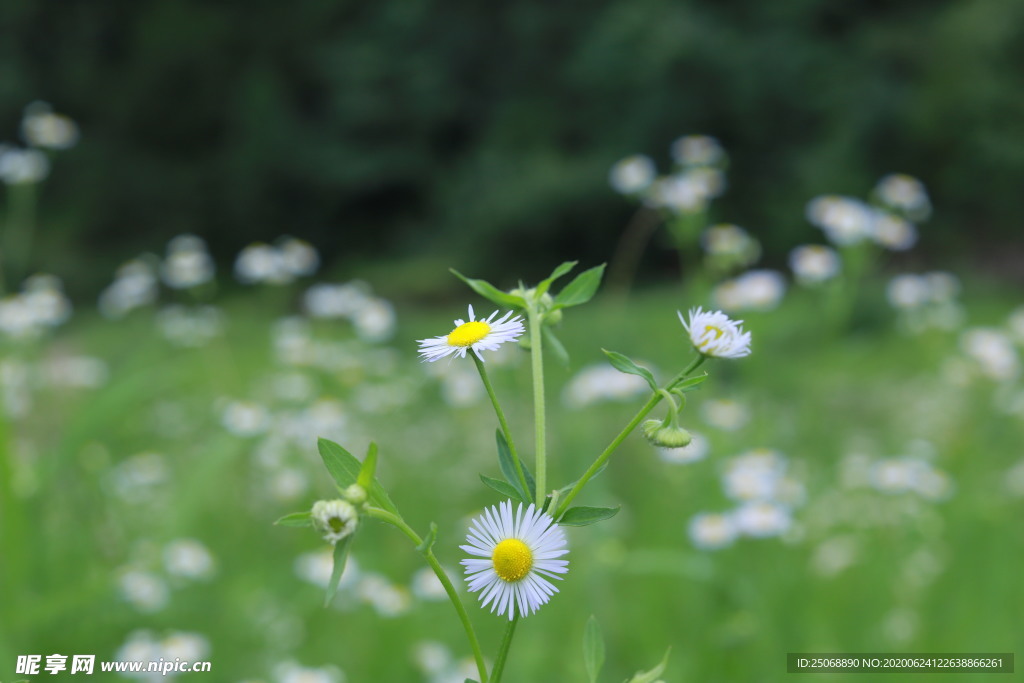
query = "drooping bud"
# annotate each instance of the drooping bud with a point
(666, 434)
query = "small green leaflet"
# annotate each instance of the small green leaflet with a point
(624, 364)
(340, 557)
(584, 516)
(490, 292)
(504, 488)
(296, 519)
(558, 272)
(653, 674)
(581, 289)
(691, 384)
(593, 649)
(555, 345)
(344, 468)
(428, 540)
(508, 469)
(369, 468)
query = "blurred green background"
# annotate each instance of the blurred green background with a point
(404, 129)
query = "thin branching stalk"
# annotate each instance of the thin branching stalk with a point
(501, 420)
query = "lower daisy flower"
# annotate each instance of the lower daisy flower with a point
(475, 335)
(517, 553)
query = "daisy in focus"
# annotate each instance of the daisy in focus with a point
(473, 335)
(713, 333)
(514, 554)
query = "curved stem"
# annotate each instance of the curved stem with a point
(537, 356)
(442, 576)
(501, 420)
(617, 441)
(506, 642)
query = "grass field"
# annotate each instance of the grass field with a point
(138, 509)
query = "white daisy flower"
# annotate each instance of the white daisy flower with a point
(475, 335)
(515, 554)
(335, 519)
(713, 333)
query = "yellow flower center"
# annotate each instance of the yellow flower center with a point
(717, 331)
(469, 333)
(512, 560)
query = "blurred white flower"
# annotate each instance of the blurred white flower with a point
(375, 320)
(834, 555)
(187, 558)
(292, 672)
(696, 450)
(686, 192)
(844, 220)
(632, 175)
(993, 351)
(711, 531)
(725, 414)
(143, 590)
(143, 646)
(426, 586)
(908, 291)
(755, 475)
(730, 245)
(261, 263)
(84, 372)
(905, 194)
(243, 418)
(187, 264)
(300, 257)
(697, 150)
(601, 382)
(191, 327)
(326, 300)
(762, 519)
(41, 127)
(756, 290)
(134, 286)
(814, 263)
(22, 166)
(892, 232)
(135, 478)
(386, 598)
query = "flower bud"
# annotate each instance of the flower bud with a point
(335, 519)
(666, 435)
(355, 494)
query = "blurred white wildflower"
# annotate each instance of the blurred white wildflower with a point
(814, 263)
(900, 625)
(375, 320)
(725, 414)
(39, 306)
(292, 339)
(601, 382)
(84, 372)
(686, 192)
(300, 257)
(432, 658)
(1016, 324)
(834, 555)
(327, 300)
(632, 175)
(711, 531)
(15, 383)
(426, 586)
(892, 232)
(243, 418)
(697, 150)
(144, 646)
(188, 558)
(22, 166)
(143, 590)
(261, 263)
(910, 474)
(187, 264)
(41, 127)
(287, 483)
(1015, 479)
(316, 567)
(134, 286)
(762, 519)
(905, 194)
(844, 220)
(190, 327)
(993, 351)
(293, 672)
(696, 450)
(756, 290)
(460, 384)
(135, 478)
(757, 474)
(730, 246)
(388, 599)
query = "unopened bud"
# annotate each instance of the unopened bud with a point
(335, 519)
(666, 436)
(355, 494)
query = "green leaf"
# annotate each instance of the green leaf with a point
(558, 272)
(584, 516)
(369, 467)
(469, 680)
(503, 488)
(691, 384)
(344, 468)
(593, 649)
(508, 469)
(428, 540)
(581, 289)
(555, 345)
(296, 519)
(624, 364)
(653, 674)
(490, 292)
(341, 549)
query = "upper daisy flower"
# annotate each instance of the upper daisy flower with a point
(713, 333)
(475, 335)
(516, 553)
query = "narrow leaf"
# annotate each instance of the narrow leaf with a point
(369, 468)
(653, 674)
(344, 468)
(341, 549)
(584, 516)
(428, 540)
(593, 649)
(581, 289)
(556, 346)
(558, 272)
(508, 469)
(690, 384)
(490, 292)
(502, 487)
(296, 519)
(624, 364)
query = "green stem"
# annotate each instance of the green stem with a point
(442, 576)
(506, 642)
(501, 420)
(626, 431)
(537, 356)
